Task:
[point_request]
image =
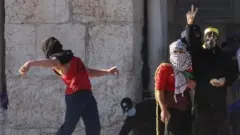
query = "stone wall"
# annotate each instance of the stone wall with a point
(103, 33)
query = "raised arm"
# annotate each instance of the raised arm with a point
(193, 32)
(55, 61)
(231, 71)
(48, 63)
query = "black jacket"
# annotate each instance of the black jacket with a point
(144, 121)
(207, 65)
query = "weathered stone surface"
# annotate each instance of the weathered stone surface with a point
(78, 131)
(23, 43)
(95, 10)
(70, 35)
(48, 131)
(20, 46)
(2, 121)
(112, 130)
(13, 132)
(35, 103)
(33, 11)
(1, 129)
(1, 116)
(22, 132)
(31, 132)
(108, 97)
(111, 45)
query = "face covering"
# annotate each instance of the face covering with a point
(211, 38)
(51, 46)
(131, 112)
(180, 61)
(211, 42)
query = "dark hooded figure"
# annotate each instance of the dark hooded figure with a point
(140, 117)
(80, 102)
(195, 37)
(213, 74)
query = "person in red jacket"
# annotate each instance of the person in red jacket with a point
(173, 81)
(80, 101)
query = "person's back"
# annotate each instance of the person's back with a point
(75, 76)
(62, 69)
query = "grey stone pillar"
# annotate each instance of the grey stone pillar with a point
(157, 35)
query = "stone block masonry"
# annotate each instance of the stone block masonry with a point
(103, 33)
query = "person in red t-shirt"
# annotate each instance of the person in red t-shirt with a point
(172, 84)
(79, 99)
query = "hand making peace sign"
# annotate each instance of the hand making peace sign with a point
(191, 15)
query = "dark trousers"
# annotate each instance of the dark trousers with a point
(81, 104)
(161, 128)
(211, 120)
(150, 129)
(180, 122)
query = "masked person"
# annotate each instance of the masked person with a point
(173, 81)
(80, 101)
(213, 74)
(141, 117)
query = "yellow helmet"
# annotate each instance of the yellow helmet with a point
(210, 29)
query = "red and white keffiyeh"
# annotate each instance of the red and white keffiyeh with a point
(180, 62)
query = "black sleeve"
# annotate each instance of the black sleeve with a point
(194, 44)
(128, 125)
(230, 70)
